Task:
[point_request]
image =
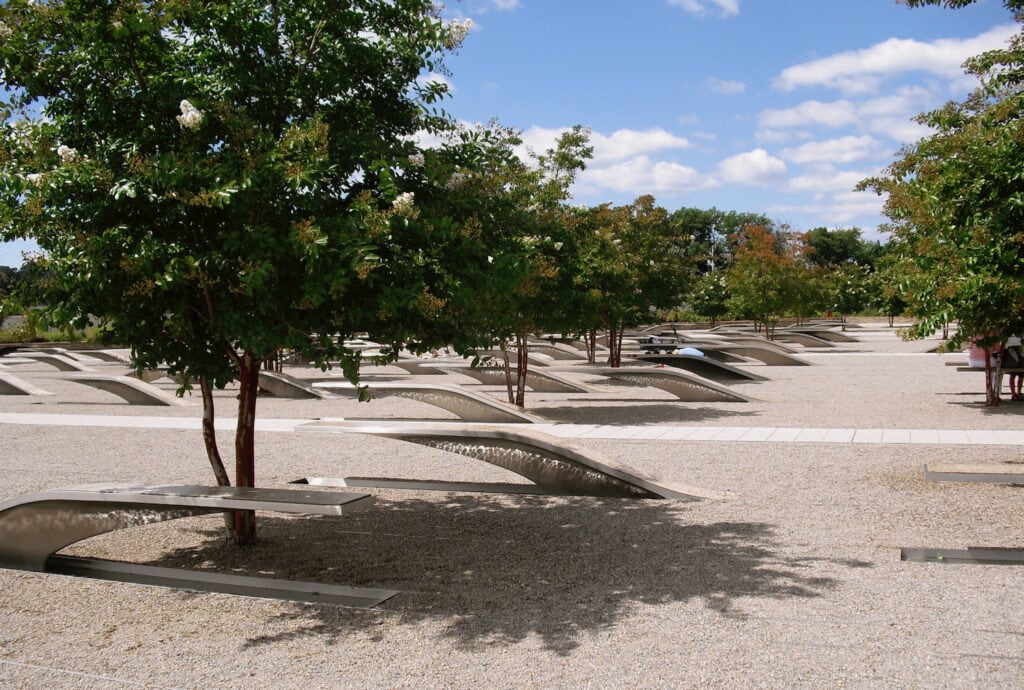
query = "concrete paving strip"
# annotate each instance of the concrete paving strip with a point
(660, 433)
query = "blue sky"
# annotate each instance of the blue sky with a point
(767, 106)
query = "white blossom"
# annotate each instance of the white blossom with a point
(405, 204)
(34, 178)
(457, 32)
(5, 31)
(490, 259)
(191, 117)
(417, 159)
(456, 181)
(67, 154)
(558, 246)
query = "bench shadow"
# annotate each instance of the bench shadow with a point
(638, 413)
(495, 569)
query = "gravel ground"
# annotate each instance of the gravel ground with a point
(793, 580)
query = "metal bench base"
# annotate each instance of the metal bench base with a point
(205, 581)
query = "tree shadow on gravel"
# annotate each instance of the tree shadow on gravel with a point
(642, 412)
(500, 569)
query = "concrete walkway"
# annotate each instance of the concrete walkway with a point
(749, 434)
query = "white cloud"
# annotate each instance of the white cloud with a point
(827, 179)
(619, 145)
(888, 116)
(841, 150)
(726, 86)
(781, 136)
(755, 167)
(810, 113)
(836, 210)
(727, 8)
(626, 143)
(861, 71)
(641, 175)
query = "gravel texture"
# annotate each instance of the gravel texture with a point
(793, 580)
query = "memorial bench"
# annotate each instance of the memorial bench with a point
(132, 390)
(34, 527)
(980, 473)
(682, 384)
(551, 465)
(12, 385)
(702, 366)
(467, 405)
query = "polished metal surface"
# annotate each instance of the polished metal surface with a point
(702, 366)
(209, 581)
(682, 384)
(554, 466)
(132, 390)
(543, 381)
(12, 385)
(467, 405)
(284, 386)
(34, 526)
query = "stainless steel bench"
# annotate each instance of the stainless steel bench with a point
(34, 527)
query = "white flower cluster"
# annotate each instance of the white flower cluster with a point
(456, 181)
(5, 31)
(191, 117)
(457, 32)
(417, 159)
(405, 205)
(67, 154)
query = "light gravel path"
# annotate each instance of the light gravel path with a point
(794, 580)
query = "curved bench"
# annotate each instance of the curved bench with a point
(553, 467)
(681, 384)
(769, 356)
(132, 390)
(541, 381)
(35, 526)
(467, 405)
(702, 366)
(61, 362)
(12, 385)
(556, 350)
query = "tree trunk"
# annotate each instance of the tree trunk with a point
(993, 380)
(591, 339)
(245, 437)
(521, 369)
(210, 434)
(508, 376)
(614, 347)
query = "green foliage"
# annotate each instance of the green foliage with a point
(956, 204)
(211, 177)
(710, 297)
(214, 180)
(838, 247)
(766, 275)
(710, 234)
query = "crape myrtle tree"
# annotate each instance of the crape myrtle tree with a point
(764, 274)
(210, 179)
(956, 205)
(631, 263)
(710, 296)
(497, 221)
(525, 290)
